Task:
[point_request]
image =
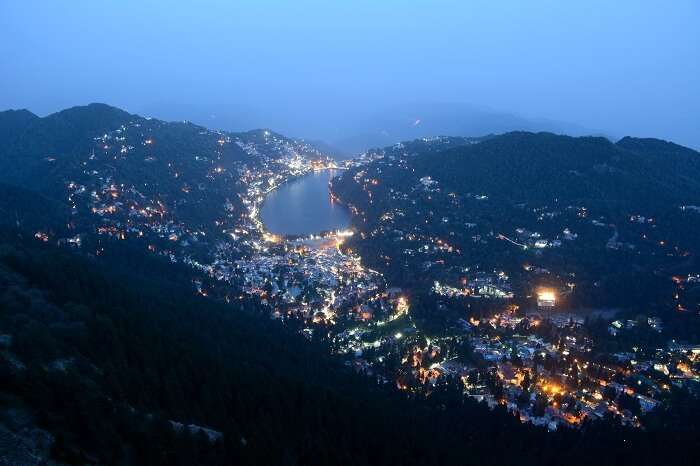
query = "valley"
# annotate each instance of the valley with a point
(559, 310)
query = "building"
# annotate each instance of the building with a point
(546, 299)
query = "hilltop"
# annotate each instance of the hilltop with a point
(540, 167)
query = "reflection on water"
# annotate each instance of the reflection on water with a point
(303, 207)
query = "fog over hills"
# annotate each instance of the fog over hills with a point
(323, 70)
(424, 119)
(349, 133)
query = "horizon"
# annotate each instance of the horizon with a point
(611, 139)
(330, 72)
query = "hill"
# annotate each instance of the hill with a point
(29, 143)
(539, 167)
(124, 176)
(13, 123)
(583, 207)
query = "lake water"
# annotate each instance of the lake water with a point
(304, 206)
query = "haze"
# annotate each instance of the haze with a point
(322, 70)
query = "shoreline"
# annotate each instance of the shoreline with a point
(264, 230)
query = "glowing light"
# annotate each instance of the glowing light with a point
(546, 298)
(270, 238)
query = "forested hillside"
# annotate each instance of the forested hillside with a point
(103, 358)
(616, 220)
(529, 167)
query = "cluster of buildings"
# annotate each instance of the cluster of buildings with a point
(480, 285)
(553, 377)
(542, 365)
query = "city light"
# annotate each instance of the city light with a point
(546, 298)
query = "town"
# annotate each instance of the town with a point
(503, 334)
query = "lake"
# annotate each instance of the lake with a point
(303, 207)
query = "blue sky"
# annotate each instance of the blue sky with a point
(623, 67)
